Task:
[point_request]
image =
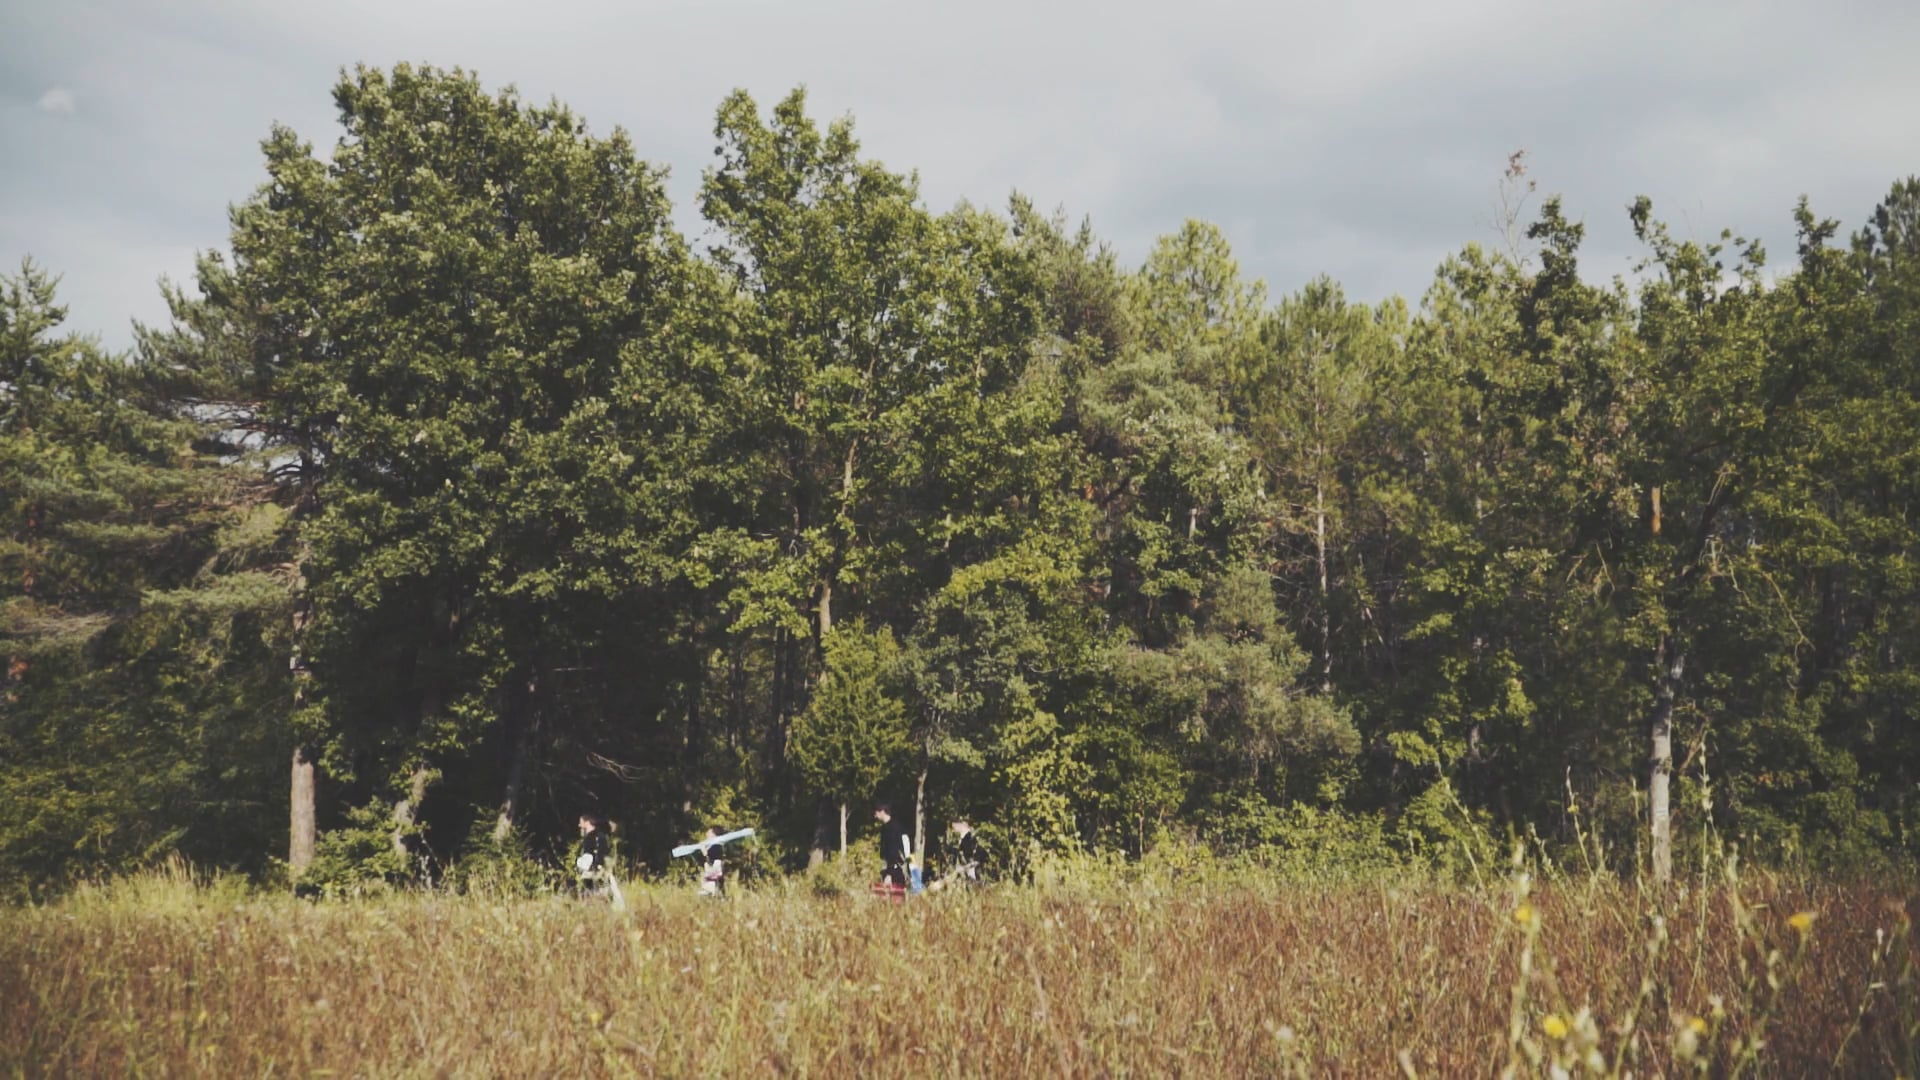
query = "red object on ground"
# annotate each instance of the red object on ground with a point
(886, 890)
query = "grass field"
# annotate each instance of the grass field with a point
(160, 977)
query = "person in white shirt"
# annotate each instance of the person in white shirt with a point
(713, 876)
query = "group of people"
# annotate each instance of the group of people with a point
(596, 872)
(898, 875)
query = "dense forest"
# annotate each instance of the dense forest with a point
(462, 495)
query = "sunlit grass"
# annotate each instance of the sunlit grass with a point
(1235, 975)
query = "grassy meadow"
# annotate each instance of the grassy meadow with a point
(1232, 975)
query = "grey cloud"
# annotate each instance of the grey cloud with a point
(1361, 145)
(1715, 123)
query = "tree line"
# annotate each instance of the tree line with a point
(461, 494)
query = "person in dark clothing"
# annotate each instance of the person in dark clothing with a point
(595, 874)
(896, 846)
(968, 858)
(971, 858)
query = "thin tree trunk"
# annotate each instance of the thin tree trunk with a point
(822, 822)
(776, 745)
(920, 817)
(1326, 606)
(521, 716)
(300, 840)
(510, 800)
(843, 830)
(1659, 807)
(736, 695)
(846, 504)
(694, 745)
(406, 811)
(301, 819)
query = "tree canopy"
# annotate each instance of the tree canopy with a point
(463, 479)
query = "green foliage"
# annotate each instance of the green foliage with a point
(1194, 306)
(140, 616)
(1034, 765)
(855, 728)
(490, 865)
(365, 856)
(461, 471)
(1437, 830)
(1233, 680)
(846, 875)
(1306, 842)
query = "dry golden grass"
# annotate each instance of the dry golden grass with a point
(1225, 978)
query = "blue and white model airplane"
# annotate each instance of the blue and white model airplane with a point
(688, 849)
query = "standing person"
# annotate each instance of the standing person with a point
(964, 869)
(713, 876)
(595, 874)
(896, 846)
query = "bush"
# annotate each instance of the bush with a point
(1304, 842)
(503, 868)
(361, 858)
(850, 874)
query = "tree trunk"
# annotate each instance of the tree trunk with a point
(300, 838)
(693, 746)
(920, 817)
(736, 694)
(510, 800)
(788, 665)
(776, 741)
(1326, 605)
(520, 718)
(301, 827)
(846, 503)
(1672, 662)
(822, 822)
(406, 811)
(843, 830)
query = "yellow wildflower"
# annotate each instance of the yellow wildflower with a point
(1697, 1026)
(1555, 1027)
(1801, 921)
(1523, 914)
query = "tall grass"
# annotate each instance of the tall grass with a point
(1207, 975)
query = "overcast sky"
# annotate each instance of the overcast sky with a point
(1364, 144)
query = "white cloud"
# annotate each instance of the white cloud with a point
(58, 101)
